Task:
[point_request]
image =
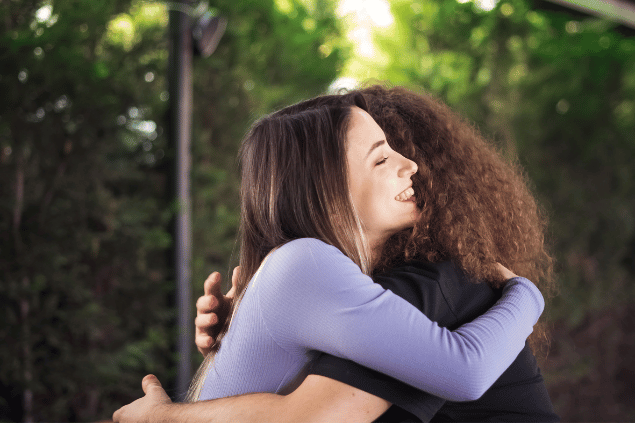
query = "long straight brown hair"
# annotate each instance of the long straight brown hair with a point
(294, 185)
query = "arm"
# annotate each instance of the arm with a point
(444, 294)
(458, 360)
(317, 399)
(419, 287)
(328, 305)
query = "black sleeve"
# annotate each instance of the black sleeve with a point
(418, 283)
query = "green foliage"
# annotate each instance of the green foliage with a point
(82, 272)
(555, 91)
(85, 287)
(84, 228)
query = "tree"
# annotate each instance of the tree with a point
(86, 292)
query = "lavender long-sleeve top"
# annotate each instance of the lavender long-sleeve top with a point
(309, 297)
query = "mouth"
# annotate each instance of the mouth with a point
(406, 195)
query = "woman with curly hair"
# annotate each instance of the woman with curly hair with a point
(476, 209)
(375, 233)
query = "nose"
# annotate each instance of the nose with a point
(408, 168)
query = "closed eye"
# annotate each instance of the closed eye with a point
(382, 161)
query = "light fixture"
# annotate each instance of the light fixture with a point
(207, 32)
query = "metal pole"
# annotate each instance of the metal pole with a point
(180, 90)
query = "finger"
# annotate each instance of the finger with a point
(206, 303)
(212, 284)
(235, 274)
(204, 341)
(505, 272)
(207, 324)
(205, 321)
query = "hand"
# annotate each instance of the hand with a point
(207, 322)
(145, 409)
(505, 273)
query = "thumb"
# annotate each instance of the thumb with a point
(150, 382)
(212, 285)
(232, 292)
(152, 386)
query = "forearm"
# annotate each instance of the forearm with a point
(316, 400)
(260, 407)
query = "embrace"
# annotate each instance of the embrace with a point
(392, 267)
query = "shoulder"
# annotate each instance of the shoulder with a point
(307, 253)
(468, 298)
(441, 290)
(418, 282)
(304, 245)
(446, 272)
(305, 261)
(305, 279)
(418, 275)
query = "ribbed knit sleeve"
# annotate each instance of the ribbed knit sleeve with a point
(312, 297)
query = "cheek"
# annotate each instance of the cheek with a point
(366, 201)
(392, 182)
(381, 204)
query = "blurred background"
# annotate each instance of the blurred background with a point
(87, 292)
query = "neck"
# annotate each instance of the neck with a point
(376, 249)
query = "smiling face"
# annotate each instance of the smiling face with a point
(379, 180)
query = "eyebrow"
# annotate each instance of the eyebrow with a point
(374, 146)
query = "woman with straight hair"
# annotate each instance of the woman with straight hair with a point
(464, 179)
(322, 194)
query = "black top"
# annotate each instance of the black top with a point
(444, 294)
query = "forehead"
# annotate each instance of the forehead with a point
(363, 131)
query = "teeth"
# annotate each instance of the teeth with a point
(405, 196)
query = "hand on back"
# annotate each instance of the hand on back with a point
(211, 310)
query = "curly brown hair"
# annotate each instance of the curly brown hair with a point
(477, 208)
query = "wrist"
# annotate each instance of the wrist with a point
(524, 290)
